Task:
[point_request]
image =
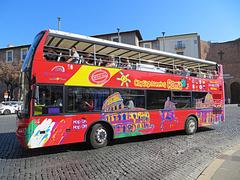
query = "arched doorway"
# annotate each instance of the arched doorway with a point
(235, 93)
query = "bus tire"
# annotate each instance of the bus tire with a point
(99, 136)
(191, 125)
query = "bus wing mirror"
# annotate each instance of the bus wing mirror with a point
(19, 114)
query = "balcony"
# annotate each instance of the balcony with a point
(180, 46)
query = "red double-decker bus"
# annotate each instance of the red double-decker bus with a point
(77, 88)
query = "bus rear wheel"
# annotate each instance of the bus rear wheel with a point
(191, 125)
(99, 136)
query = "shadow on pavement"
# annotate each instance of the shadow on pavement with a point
(10, 148)
(156, 136)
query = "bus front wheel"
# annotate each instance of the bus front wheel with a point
(191, 125)
(99, 136)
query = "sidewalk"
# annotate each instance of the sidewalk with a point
(226, 166)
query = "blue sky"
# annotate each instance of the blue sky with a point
(213, 20)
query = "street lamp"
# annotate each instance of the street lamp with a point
(59, 19)
(163, 33)
(118, 32)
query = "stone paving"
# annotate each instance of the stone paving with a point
(160, 156)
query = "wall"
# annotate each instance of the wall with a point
(190, 42)
(127, 38)
(230, 61)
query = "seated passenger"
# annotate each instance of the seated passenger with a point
(111, 62)
(51, 54)
(100, 62)
(130, 104)
(193, 72)
(169, 105)
(177, 70)
(214, 74)
(74, 56)
(184, 71)
(89, 59)
(58, 101)
(209, 75)
(201, 74)
(81, 60)
(87, 104)
(128, 65)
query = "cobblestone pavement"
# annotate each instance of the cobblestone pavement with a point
(161, 156)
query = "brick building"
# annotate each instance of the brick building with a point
(227, 54)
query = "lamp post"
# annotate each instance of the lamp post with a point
(59, 19)
(118, 32)
(163, 33)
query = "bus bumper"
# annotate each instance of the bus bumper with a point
(20, 133)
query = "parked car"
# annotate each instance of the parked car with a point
(10, 107)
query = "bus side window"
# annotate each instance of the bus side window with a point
(81, 99)
(48, 100)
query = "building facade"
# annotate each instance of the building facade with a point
(183, 44)
(13, 55)
(128, 37)
(227, 54)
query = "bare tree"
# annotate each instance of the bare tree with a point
(9, 75)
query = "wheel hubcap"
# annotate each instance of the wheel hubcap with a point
(101, 135)
(192, 126)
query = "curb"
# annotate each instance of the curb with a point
(215, 164)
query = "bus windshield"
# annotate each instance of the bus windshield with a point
(25, 93)
(25, 90)
(30, 53)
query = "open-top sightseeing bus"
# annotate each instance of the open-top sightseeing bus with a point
(112, 90)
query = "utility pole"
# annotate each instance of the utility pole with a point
(59, 19)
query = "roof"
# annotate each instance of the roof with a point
(123, 32)
(14, 47)
(66, 40)
(187, 34)
(225, 42)
(159, 37)
(147, 41)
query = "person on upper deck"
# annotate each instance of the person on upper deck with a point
(74, 56)
(111, 62)
(51, 54)
(128, 65)
(89, 59)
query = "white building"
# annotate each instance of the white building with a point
(184, 44)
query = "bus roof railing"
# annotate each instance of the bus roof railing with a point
(65, 40)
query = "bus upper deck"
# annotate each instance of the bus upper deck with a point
(99, 52)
